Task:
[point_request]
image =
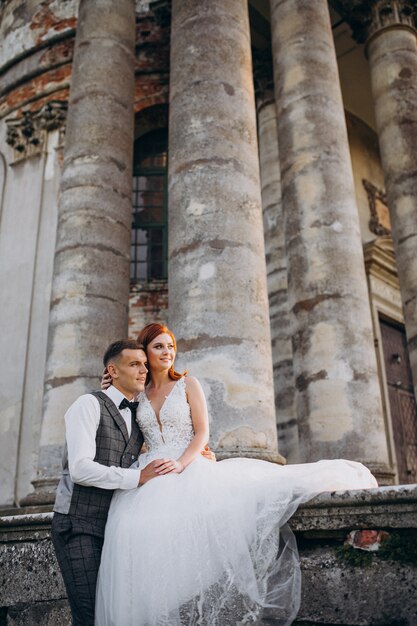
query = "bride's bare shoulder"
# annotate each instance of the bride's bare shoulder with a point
(192, 384)
(191, 380)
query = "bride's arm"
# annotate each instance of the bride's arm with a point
(199, 416)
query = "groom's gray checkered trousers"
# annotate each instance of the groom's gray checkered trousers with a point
(81, 512)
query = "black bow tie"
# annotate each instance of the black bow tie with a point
(125, 404)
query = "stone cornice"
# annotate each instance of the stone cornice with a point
(380, 260)
(368, 18)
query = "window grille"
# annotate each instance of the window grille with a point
(149, 244)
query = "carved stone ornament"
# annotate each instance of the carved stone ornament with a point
(392, 13)
(369, 17)
(379, 222)
(27, 134)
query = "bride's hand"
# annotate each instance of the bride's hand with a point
(208, 454)
(105, 379)
(170, 467)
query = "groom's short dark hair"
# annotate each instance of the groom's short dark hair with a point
(116, 348)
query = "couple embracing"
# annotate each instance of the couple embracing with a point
(169, 537)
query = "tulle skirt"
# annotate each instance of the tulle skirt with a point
(210, 546)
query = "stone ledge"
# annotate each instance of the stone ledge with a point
(334, 592)
(384, 507)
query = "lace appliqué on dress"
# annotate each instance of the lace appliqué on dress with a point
(176, 427)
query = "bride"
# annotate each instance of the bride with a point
(203, 543)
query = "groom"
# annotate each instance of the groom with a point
(102, 441)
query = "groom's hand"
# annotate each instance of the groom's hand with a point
(151, 470)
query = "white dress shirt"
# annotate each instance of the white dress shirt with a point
(81, 423)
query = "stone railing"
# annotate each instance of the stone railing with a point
(341, 585)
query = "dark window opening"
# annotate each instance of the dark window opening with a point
(149, 245)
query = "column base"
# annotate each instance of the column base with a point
(260, 455)
(44, 494)
(384, 474)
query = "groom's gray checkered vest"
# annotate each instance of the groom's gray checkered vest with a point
(113, 448)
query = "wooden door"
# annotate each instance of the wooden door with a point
(401, 398)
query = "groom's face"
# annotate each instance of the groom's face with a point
(128, 372)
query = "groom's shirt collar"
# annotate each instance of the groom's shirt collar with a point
(115, 395)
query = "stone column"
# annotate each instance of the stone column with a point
(218, 303)
(90, 287)
(276, 269)
(338, 395)
(392, 53)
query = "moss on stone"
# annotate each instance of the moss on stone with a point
(353, 556)
(400, 546)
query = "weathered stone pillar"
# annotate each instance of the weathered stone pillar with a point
(338, 395)
(91, 273)
(218, 304)
(392, 53)
(276, 269)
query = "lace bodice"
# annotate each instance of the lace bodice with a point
(175, 417)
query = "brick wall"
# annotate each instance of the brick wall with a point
(148, 303)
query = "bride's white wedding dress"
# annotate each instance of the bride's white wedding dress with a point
(209, 546)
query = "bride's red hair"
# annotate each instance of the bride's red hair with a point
(151, 332)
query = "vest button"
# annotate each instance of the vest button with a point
(133, 457)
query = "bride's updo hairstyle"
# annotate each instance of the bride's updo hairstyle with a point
(151, 332)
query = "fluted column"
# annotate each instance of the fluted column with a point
(276, 268)
(218, 304)
(91, 272)
(338, 395)
(392, 53)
